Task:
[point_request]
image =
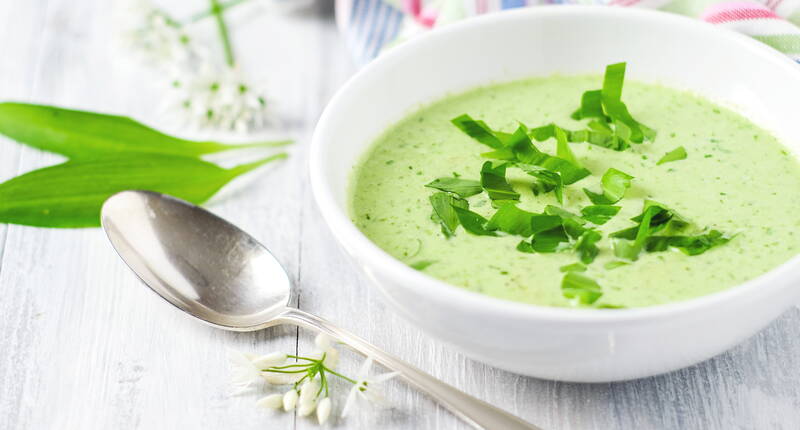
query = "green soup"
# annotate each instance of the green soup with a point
(737, 178)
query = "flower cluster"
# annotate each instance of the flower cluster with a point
(205, 92)
(309, 380)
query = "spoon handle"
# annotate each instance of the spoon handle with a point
(478, 413)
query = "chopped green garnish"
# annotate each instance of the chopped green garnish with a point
(562, 137)
(574, 267)
(654, 218)
(462, 187)
(542, 222)
(586, 246)
(512, 220)
(493, 180)
(591, 106)
(550, 240)
(606, 106)
(477, 130)
(599, 214)
(615, 183)
(611, 265)
(443, 212)
(676, 154)
(548, 181)
(563, 214)
(422, 265)
(689, 245)
(526, 247)
(585, 290)
(473, 223)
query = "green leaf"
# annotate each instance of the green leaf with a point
(81, 135)
(422, 264)
(574, 267)
(563, 214)
(599, 214)
(676, 154)
(611, 265)
(444, 212)
(549, 240)
(548, 181)
(614, 183)
(70, 195)
(512, 220)
(585, 290)
(689, 245)
(606, 106)
(473, 223)
(591, 106)
(586, 246)
(542, 222)
(477, 130)
(526, 247)
(493, 180)
(462, 187)
(563, 151)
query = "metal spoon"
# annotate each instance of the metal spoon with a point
(219, 274)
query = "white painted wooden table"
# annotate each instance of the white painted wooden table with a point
(84, 346)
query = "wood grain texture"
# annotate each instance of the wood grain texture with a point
(84, 346)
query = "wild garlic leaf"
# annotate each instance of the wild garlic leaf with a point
(543, 222)
(477, 130)
(80, 135)
(574, 267)
(586, 246)
(462, 187)
(599, 214)
(689, 245)
(70, 195)
(548, 181)
(443, 212)
(493, 180)
(591, 106)
(676, 154)
(611, 265)
(422, 264)
(615, 183)
(605, 105)
(473, 223)
(581, 288)
(512, 220)
(552, 131)
(550, 240)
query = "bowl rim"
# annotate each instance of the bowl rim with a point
(364, 250)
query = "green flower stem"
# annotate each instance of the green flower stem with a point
(352, 381)
(207, 13)
(217, 12)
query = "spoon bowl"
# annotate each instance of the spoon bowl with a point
(219, 274)
(202, 264)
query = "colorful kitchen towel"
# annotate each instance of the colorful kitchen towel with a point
(370, 26)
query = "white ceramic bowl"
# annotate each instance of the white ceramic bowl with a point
(579, 345)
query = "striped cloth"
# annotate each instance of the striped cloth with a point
(370, 26)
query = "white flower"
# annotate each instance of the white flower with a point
(309, 391)
(306, 409)
(152, 33)
(218, 99)
(273, 401)
(269, 360)
(323, 410)
(243, 372)
(365, 388)
(290, 400)
(323, 342)
(279, 378)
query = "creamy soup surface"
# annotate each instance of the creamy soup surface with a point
(737, 178)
